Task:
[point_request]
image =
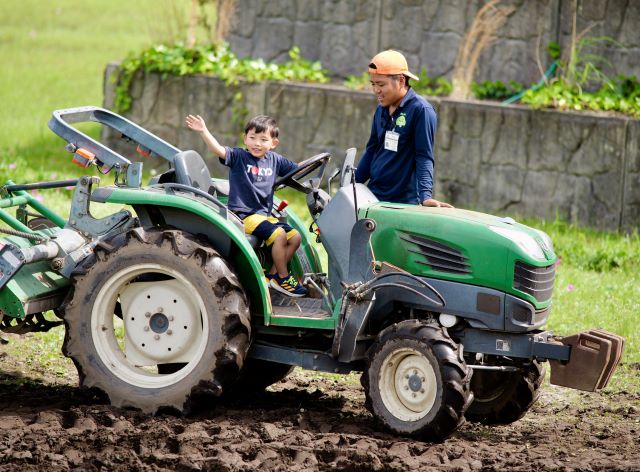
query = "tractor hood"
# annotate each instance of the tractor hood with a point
(465, 246)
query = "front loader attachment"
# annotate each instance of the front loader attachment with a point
(595, 354)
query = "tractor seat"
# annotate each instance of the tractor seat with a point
(253, 241)
(190, 169)
(221, 187)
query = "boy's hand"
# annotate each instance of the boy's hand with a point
(196, 123)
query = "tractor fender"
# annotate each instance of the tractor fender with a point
(359, 303)
(157, 208)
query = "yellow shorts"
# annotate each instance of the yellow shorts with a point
(267, 228)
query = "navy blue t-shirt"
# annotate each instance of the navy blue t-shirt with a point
(405, 176)
(251, 180)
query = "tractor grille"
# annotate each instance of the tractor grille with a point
(438, 256)
(536, 281)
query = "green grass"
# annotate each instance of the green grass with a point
(53, 55)
(597, 282)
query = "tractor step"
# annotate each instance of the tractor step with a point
(289, 307)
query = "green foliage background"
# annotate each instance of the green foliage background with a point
(53, 55)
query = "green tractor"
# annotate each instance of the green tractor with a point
(165, 302)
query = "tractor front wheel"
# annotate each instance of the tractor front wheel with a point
(154, 318)
(416, 381)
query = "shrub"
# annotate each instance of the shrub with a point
(216, 60)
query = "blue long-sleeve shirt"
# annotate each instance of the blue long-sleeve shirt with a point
(405, 175)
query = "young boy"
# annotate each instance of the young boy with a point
(252, 174)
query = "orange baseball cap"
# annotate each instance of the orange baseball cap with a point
(390, 63)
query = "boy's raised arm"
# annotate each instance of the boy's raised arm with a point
(197, 124)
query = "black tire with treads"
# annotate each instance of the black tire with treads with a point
(504, 397)
(202, 274)
(438, 356)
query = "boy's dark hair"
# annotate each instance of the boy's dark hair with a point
(262, 123)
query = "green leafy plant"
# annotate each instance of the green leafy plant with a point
(554, 50)
(216, 60)
(581, 83)
(438, 86)
(496, 90)
(621, 94)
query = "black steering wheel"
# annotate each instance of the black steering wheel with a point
(306, 167)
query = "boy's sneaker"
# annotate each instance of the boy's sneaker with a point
(288, 286)
(268, 277)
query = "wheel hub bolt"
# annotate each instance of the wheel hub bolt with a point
(156, 337)
(147, 314)
(171, 318)
(160, 310)
(146, 328)
(169, 332)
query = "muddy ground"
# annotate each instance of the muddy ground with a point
(307, 422)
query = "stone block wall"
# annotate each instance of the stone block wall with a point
(542, 163)
(584, 168)
(345, 34)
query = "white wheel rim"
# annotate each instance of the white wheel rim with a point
(106, 342)
(407, 384)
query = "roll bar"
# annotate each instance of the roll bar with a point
(79, 143)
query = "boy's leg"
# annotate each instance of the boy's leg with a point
(279, 254)
(277, 235)
(293, 243)
(283, 248)
(280, 279)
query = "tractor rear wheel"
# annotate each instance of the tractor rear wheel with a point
(504, 397)
(416, 381)
(155, 320)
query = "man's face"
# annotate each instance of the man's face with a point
(259, 143)
(387, 89)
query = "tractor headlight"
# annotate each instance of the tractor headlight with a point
(526, 242)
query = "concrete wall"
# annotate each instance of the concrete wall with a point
(345, 34)
(499, 159)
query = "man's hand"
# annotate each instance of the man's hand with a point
(196, 123)
(432, 202)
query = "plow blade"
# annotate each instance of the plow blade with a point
(595, 354)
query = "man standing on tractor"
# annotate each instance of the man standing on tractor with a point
(398, 160)
(252, 174)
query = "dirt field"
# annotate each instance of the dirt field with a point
(308, 422)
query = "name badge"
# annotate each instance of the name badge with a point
(391, 141)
